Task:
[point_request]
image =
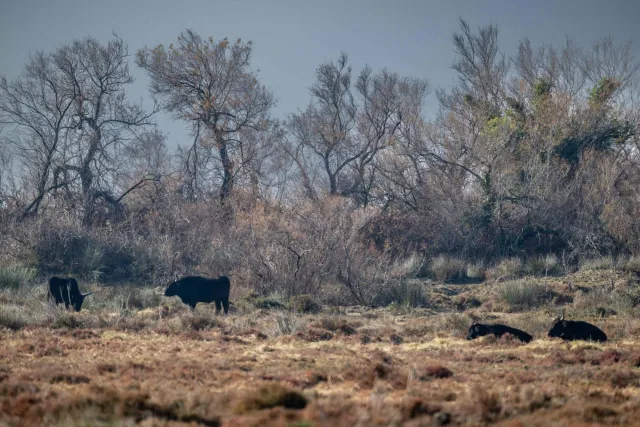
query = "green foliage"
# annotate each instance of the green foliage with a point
(602, 91)
(14, 276)
(541, 88)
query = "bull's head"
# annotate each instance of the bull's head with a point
(476, 330)
(558, 327)
(78, 300)
(173, 288)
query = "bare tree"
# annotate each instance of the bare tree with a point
(210, 85)
(37, 109)
(341, 134)
(69, 119)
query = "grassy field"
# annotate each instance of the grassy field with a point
(133, 358)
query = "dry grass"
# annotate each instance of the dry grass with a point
(115, 364)
(209, 376)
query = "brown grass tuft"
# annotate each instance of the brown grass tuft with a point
(270, 395)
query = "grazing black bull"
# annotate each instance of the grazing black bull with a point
(195, 289)
(571, 330)
(478, 330)
(65, 289)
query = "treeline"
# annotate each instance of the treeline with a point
(531, 154)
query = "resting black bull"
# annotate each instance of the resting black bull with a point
(478, 330)
(195, 289)
(65, 290)
(571, 330)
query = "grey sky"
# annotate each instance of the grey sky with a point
(292, 37)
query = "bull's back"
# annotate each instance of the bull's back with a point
(206, 290)
(522, 335)
(57, 288)
(592, 332)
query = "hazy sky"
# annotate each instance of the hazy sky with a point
(292, 37)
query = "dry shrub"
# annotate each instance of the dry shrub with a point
(270, 396)
(319, 249)
(16, 275)
(476, 271)
(601, 301)
(632, 264)
(434, 372)
(598, 263)
(314, 335)
(446, 268)
(337, 324)
(283, 323)
(305, 304)
(199, 321)
(546, 265)
(508, 268)
(416, 407)
(380, 366)
(524, 294)
(488, 404)
(406, 293)
(13, 317)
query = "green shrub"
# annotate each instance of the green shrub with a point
(523, 294)
(445, 268)
(16, 275)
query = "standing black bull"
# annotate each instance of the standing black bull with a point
(195, 289)
(571, 330)
(478, 330)
(65, 289)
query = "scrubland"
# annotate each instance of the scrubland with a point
(134, 357)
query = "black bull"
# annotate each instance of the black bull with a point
(571, 330)
(195, 289)
(65, 290)
(478, 329)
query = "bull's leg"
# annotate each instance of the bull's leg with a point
(225, 303)
(218, 306)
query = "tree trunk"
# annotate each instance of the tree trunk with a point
(227, 167)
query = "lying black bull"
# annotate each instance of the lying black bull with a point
(195, 289)
(478, 330)
(571, 330)
(65, 289)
